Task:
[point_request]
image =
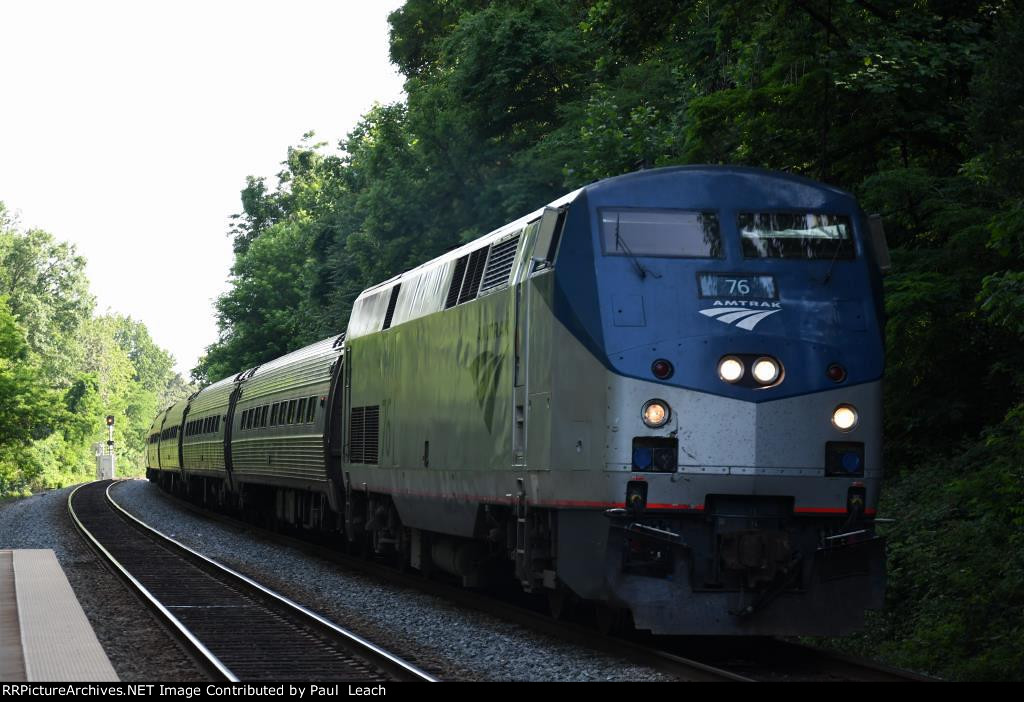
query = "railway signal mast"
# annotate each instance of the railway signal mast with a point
(105, 456)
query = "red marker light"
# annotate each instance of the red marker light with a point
(662, 369)
(836, 373)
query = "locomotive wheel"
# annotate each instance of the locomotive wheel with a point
(366, 550)
(361, 545)
(560, 602)
(403, 550)
(610, 620)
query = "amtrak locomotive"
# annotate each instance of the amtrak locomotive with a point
(661, 393)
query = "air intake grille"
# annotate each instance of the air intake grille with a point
(500, 264)
(453, 289)
(391, 306)
(474, 272)
(364, 434)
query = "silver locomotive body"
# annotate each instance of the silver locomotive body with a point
(552, 397)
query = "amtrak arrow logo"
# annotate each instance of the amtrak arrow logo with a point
(742, 317)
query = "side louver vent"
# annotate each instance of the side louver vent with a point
(364, 433)
(391, 306)
(469, 270)
(453, 289)
(500, 264)
(474, 272)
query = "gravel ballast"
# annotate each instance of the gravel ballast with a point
(136, 644)
(450, 642)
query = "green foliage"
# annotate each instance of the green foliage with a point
(914, 106)
(258, 315)
(177, 389)
(27, 408)
(62, 371)
(956, 562)
(47, 291)
(126, 373)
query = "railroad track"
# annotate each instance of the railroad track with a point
(778, 660)
(673, 664)
(237, 629)
(703, 659)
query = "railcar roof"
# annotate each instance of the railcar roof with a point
(175, 411)
(223, 387)
(158, 419)
(300, 368)
(475, 243)
(634, 178)
(213, 396)
(697, 171)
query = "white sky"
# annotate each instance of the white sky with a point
(128, 128)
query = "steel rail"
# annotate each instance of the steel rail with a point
(666, 661)
(379, 655)
(202, 654)
(850, 667)
(774, 659)
(390, 664)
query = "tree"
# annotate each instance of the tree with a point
(47, 291)
(259, 317)
(27, 408)
(913, 106)
(62, 371)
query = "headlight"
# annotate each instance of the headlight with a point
(730, 369)
(766, 370)
(844, 417)
(656, 413)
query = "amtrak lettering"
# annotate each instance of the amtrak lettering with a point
(738, 312)
(746, 303)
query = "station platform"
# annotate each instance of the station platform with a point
(44, 634)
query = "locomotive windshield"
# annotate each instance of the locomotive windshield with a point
(636, 232)
(795, 235)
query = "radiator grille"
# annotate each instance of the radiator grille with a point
(499, 265)
(364, 434)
